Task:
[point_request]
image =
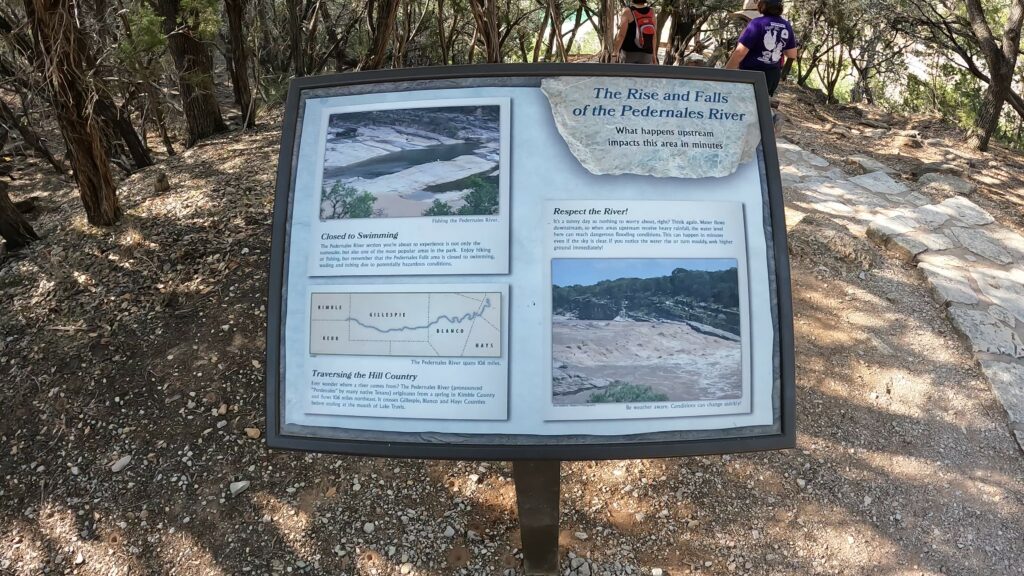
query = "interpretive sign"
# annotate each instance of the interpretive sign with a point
(529, 262)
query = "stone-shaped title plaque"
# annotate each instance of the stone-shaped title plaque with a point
(655, 126)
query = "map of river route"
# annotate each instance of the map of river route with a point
(452, 324)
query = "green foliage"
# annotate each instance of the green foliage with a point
(710, 298)
(956, 95)
(347, 202)
(203, 16)
(147, 38)
(439, 208)
(482, 198)
(619, 392)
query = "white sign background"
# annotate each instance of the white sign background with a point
(542, 169)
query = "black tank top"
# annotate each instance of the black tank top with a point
(629, 44)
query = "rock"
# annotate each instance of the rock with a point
(930, 216)
(880, 183)
(587, 308)
(801, 483)
(580, 535)
(986, 334)
(909, 133)
(926, 168)
(868, 164)
(449, 531)
(657, 572)
(120, 464)
(740, 136)
(906, 247)
(79, 559)
(978, 240)
(966, 211)
(1007, 381)
(237, 488)
(1005, 289)
(949, 284)
(881, 229)
(874, 123)
(904, 142)
(253, 433)
(405, 568)
(369, 527)
(876, 132)
(945, 185)
(841, 130)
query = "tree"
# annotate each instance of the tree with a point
(1001, 58)
(64, 60)
(380, 22)
(342, 201)
(966, 39)
(14, 228)
(235, 10)
(192, 60)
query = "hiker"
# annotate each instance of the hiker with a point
(765, 44)
(636, 43)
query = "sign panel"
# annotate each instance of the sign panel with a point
(529, 262)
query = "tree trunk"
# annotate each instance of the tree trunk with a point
(8, 117)
(65, 62)
(606, 17)
(987, 121)
(14, 228)
(295, 36)
(381, 22)
(194, 65)
(235, 10)
(485, 13)
(122, 125)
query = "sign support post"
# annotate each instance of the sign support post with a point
(538, 484)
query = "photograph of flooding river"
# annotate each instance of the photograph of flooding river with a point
(628, 330)
(436, 161)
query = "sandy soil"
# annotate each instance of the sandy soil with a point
(669, 357)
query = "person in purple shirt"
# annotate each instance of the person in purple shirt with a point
(765, 44)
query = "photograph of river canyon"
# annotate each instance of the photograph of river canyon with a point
(645, 330)
(408, 162)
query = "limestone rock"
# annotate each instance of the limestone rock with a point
(966, 211)
(980, 242)
(985, 333)
(930, 217)
(946, 185)
(1007, 381)
(949, 284)
(587, 135)
(881, 229)
(927, 168)
(868, 164)
(880, 183)
(237, 488)
(1004, 288)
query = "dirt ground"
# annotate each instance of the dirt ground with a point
(145, 340)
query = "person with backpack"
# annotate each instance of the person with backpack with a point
(636, 41)
(765, 44)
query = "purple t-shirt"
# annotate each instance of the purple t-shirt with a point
(767, 37)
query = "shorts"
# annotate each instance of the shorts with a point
(635, 57)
